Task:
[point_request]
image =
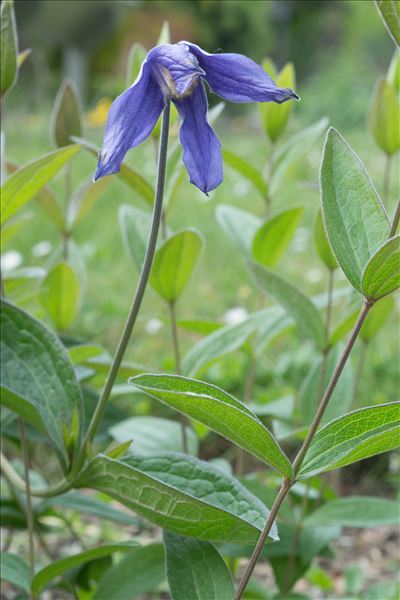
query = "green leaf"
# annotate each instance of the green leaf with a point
(67, 116)
(59, 295)
(273, 237)
(322, 245)
(13, 227)
(276, 116)
(22, 56)
(48, 202)
(37, 379)
(138, 573)
(355, 220)
(353, 437)
(15, 570)
(9, 47)
(89, 505)
(219, 411)
(25, 183)
(126, 174)
(393, 75)
(136, 56)
(240, 225)
(165, 34)
(135, 227)
(390, 13)
(84, 200)
(62, 565)
(383, 113)
(344, 327)
(246, 170)
(196, 570)
(298, 306)
(152, 435)
(355, 511)
(381, 276)
(182, 494)
(312, 388)
(376, 319)
(174, 262)
(293, 149)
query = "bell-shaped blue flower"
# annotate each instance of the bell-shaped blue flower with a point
(177, 72)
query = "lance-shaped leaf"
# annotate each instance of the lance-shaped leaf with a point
(24, 184)
(273, 237)
(8, 47)
(390, 13)
(59, 295)
(182, 494)
(196, 570)
(322, 245)
(376, 319)
(381, 276)
(15, 570)
(66, 119)
(355, 219)
(61, 566)
(136, 56)
(37, 378)
(355, 511)
(298, 306)
(383, 115)
(174, 262)
(140, 571)
(135, 226)
(126, 174)
(353, 437)
(84, 200)
(240, 225)
(246, 170)
(218, 410)
(275, 116)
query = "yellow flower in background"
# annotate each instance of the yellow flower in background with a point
(98, 115)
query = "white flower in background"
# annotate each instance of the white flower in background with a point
(153, 326)
(314, 275)
(41, 249)
(235, 315)
(241, 188)
(10, 260)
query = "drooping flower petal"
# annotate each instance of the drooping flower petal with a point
(175, 68)
(131, 119)
(237, 78)
(202, 154)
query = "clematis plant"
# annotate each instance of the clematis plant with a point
(176, 72)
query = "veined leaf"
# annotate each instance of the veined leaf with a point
(182, 494)
(381, 276)
(383, 115)
(355, 511)
(298, 306)
(37, 379)
(273, 237)
(9, 47)
(62, 565)
(377, 317)
(67, 116)
(196, 570)
(353, 437)
(174, 262)
(240, 225)
(59, 295)
(390, 13)
(152, 435)
(15, 570)
(219, 411)
(246, 170)
(25, 183)
(322, 245)
(355, 220)
(140, 571)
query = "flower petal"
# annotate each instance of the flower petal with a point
(237, 78)
(201, 147)
(182, 68)
(131, 119)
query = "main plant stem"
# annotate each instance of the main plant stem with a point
(137, 300)
(287, 484)
(29, 512)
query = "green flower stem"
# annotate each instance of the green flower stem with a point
(137, 300)
(287, 484)
(395, 222)
(29, 513)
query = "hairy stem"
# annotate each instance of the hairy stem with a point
(137, 300)
(286, 485)
(29, 512)
(395, 222)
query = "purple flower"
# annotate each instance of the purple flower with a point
(176, 72)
